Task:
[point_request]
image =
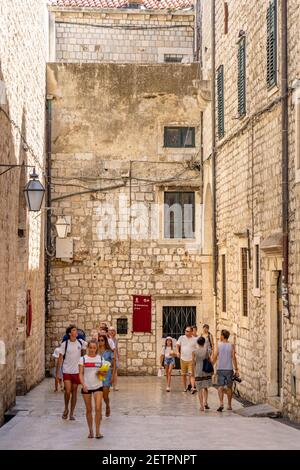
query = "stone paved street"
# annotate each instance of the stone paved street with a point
(143, 416)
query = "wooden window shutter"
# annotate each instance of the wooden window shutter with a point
(220, 99)
(272, 43)
(242, 77)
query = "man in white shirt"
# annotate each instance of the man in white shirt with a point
(69, 356)
(186, 345)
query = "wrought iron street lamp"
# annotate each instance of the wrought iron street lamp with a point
(34, 190)
(34, 193)
(62, 227)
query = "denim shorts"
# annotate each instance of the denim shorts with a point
(224, 378)
(169, 361)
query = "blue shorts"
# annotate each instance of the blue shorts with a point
(169, 361)
(224, 378)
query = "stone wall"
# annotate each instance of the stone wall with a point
(22, 75)
(121, 36)
(94, 141)
(248, 181)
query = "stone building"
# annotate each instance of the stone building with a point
(121, 31)
(115, 168)
(22, 100)
(245, 67)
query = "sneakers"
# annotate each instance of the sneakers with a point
(189, 387)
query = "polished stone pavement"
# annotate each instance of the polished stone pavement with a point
(143, 416)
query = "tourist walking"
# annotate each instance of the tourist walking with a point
(107, 354)
(69, 356)
(112, 334)
(91, 386)
(195, 331)
(226, 357)
(203, 380)
(186, 345)
(208, 337)
(53, 366)
(167, 358)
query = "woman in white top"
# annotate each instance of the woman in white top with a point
(91, 385)
(167, 359)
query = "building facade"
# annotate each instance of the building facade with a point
(23, 45)
(247, 179)
(121, 31)
(125, 145)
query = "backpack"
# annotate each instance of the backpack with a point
(67, 342)
(81, 335)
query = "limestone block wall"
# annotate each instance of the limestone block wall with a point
(121, 36)
(22, 75)
(248, 173)
(94, 141)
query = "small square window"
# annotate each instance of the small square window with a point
(122, 326)
(173, 58)
(179, 137)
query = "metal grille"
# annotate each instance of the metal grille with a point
(122, 326)
(257, 267)
(173, 58)
(242, 77)
(220, 95)
(272, 43)
(245, 280)
(224, 300)
(175, 320)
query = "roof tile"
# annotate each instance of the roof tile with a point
(148, 4)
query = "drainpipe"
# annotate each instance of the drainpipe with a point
(48, 203)
(213, 145)
(285, 157)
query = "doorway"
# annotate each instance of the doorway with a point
(279, 334)
(175, 320)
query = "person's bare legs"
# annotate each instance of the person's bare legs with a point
(201, 399)
(221, 396)
(73, 400)
(184, 381)
(170, 375)
(205, 394)
(89, 417)
(98, 411)
(67, 396)
(229, 397)
(106, 400)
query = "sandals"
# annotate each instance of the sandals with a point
(99, 436)
(206, 407)
(221, 408)
(65, 414)
(91, 436)
(72, 418)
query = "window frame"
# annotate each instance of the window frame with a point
(180, 192)
(181, 129)
(256, 267)
(241, 78)
(220, 101)
(272, 45)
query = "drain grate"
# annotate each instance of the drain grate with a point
(243, 401)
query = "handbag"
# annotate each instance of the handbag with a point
(207, 366)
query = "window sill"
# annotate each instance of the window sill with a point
(244, 323)
(273, 90)
(256, 293)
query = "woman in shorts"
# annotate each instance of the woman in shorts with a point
(168, 360)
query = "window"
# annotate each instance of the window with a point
(179, 214)
(244, 272)
(223, 257)
(257, 266)
(173, 58)
(242, 77)
(179, 137)
(220, 101)
(226, 17)
(272, 43)
(122, 326)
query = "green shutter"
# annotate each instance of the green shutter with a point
(220, 99)
(242, 77)
(272, 43)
